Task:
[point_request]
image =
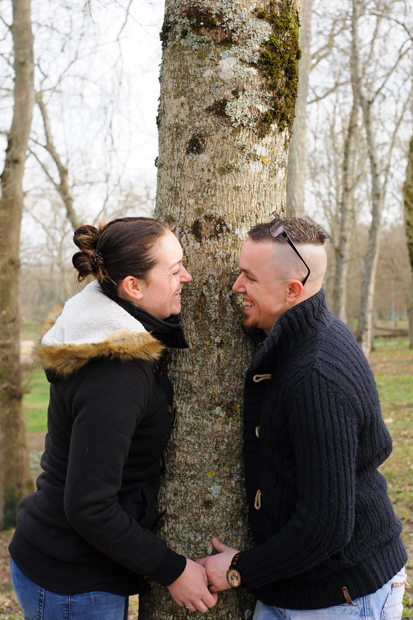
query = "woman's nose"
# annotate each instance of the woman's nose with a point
(185, 275)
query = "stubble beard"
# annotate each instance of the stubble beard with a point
(248, 322)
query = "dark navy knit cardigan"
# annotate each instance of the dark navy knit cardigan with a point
(313, 440)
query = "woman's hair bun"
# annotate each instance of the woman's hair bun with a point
(86, 238)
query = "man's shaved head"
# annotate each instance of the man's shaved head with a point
(298, 229)
(309, 240)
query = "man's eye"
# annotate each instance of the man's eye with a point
(175, 273)
(249, 278)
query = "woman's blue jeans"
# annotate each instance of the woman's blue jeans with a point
(40, 604)
(385, 604)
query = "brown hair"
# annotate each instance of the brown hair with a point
(298, 229)
(117, 249)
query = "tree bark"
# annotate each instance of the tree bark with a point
(365, 324)
(408, 220)
(298, 154)
(15, 478)
(228, 88)
(342, 249)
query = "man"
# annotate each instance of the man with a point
(327, 541)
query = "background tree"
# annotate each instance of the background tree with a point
(345, 214)
(385, 70)
(228, 89)
(15, 478)
(298, 153)
(378, 172)
(408, 219)
(80, 83)
(394, 280)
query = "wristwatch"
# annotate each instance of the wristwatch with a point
(233, 575)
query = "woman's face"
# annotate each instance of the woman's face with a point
(161, 291)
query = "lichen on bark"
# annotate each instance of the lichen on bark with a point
(267, 43)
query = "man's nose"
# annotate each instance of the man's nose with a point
(238, 287)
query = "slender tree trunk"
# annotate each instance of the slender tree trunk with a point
(342, 249)
(364, 330)
(298, 154)
(15, 478)
(62, 186)
(228, 88)
(408, 219)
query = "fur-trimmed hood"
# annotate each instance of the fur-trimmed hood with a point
(88, 326)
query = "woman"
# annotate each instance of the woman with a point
(83, 539)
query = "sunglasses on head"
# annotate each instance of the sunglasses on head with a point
(277, 229)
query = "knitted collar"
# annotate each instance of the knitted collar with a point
(293, 327)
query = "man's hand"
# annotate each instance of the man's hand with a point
(191, 589)
(216, 566)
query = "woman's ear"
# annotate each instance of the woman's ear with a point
(131, 289)
(294, 290)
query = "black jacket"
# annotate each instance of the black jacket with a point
(313, 440)
(88, 525)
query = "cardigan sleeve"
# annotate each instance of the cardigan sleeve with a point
(323, 432)
(107, 408)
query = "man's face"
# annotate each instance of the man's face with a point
(264, 294)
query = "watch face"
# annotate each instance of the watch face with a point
(234, 578)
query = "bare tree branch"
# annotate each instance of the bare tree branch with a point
(8, 26)
(125, 21)
(390, 72)
(328, 92)
(394, 136)
(396, 21)
(63, 186)
(324, 51)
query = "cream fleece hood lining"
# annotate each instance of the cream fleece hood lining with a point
(91, 325)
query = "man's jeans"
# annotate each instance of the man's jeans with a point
(385, 604)
(40, 604)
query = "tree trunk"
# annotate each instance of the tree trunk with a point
(228, 88)
(298, 154)
(15, 478)
(364, 329)
(342, 249)
(408, 220)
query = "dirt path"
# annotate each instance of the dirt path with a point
(26, 347)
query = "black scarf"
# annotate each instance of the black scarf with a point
(169, 331)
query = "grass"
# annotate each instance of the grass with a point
(392, 364)
(30, 330)
(35, 401)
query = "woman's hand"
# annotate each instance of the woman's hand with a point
(191, 589)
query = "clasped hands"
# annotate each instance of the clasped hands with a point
(197, 587)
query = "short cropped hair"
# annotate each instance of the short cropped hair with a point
(298, 229)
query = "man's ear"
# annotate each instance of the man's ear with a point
(295, 289)
(131, 289)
